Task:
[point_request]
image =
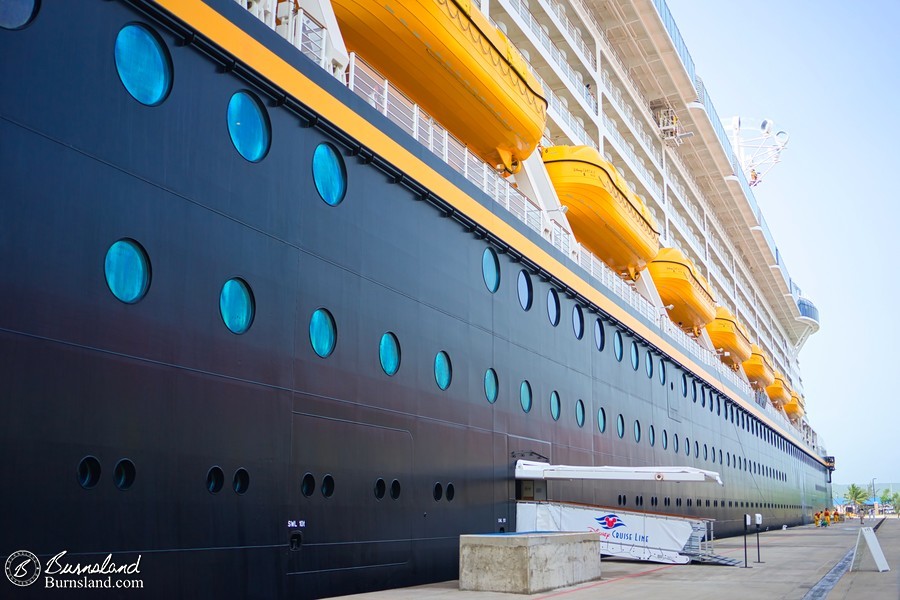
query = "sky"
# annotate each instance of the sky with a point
(828, 73)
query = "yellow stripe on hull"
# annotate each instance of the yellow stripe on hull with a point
(449, 59)
(680, 285)
(606, 216)
(728, 334)
(779, 392)
(758, 369)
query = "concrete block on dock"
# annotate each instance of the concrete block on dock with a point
(527, 563)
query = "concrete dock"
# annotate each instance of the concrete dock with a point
(803, 563)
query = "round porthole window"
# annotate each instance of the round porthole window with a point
(236, 305)
(329, 174)
(142, 62)
(248, 126)
(127, 270)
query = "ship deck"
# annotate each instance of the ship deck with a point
(800, 563)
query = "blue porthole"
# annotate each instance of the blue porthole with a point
(490, 270)
(525, 396)
(620, 425)
(143, 64)
(389, 353)
(635, 356)
(248, 126)
(617, 345)
(665, 440)
(443, 370)
(236, 305)
(637, 432)
(127, 271)
(648, 364)
(578, 321)
(491, 385)
(579, 412)
(329, 174)
(662, 371)
(524, 290)
(322, 332)
(553, 307)
(16, 14)
(684, 385)
(555, 407)
(651, 436)
(601, 420)
(687, 446)
(599, 335)
(675, 443)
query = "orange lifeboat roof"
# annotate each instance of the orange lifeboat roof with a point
(684, 288)
(448, 58)
(606, 216)
(758, 368)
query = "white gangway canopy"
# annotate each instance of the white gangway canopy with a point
(527, 469)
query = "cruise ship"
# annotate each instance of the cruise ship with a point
(290, 288)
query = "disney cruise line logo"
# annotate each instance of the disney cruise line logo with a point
(610, 521)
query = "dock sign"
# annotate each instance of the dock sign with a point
(867, 538)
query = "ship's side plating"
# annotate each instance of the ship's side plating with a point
(164, 384)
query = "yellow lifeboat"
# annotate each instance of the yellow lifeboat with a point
(684, 288)
(606, 216)
(448, 58)
(779, 392)
(795, 407)
(730, 336)
(758, 369)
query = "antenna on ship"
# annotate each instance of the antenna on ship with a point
(758, 148)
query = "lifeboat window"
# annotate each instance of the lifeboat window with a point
(127, 270)
(665, 439)
(648, 363)
(651, 436)
(555, 405)
(635, 356)
(662, 371)
(637, 431)
(675, 443)
(684, 385)
(330, 176)
(599, 335)
(553, 307)
(443, 370)
(236, 305)
(248, 126)
(617, 345)
(620, 425)
(491, 385)
(579, 412)
(601, 420)
(578, 321)
(322, 332)
(525, 396)
(389, 353)
(490, 270)
(143, 63)
(124, 474)
(241, 481)
(525, 290)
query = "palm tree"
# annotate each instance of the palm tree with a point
(895, 501)
(855, 495)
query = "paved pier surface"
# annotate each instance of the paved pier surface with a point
(794, 563)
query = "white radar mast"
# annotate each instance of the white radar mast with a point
(758, 148)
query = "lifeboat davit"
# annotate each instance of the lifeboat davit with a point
(730, 336)
(795, 408)
(758, 369)
(779, 392)
(680, 285)
(448, 58)
(606, 216)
